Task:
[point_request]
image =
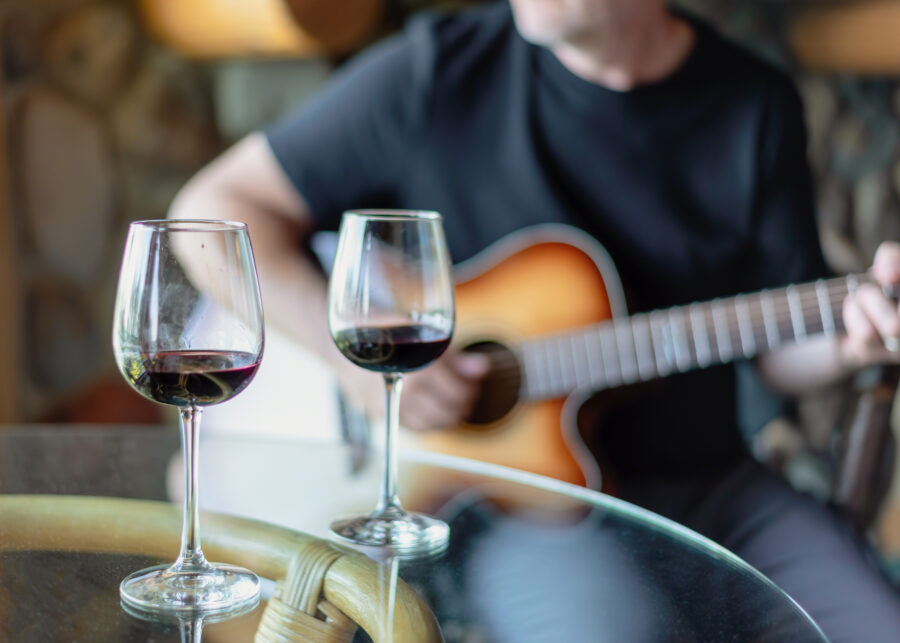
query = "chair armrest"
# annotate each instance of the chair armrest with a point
(352, 582)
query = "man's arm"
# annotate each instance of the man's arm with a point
(247, 184)
(872, 323)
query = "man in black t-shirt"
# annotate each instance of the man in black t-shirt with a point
(682, 154)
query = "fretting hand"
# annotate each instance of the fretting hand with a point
(871, 317)
(437, 397)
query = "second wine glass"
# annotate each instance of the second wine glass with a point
(391, 310)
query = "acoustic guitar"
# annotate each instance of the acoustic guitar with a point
(548, 360)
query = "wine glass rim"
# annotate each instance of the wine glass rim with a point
(397, 214)
(191, 225)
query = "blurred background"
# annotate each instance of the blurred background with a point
(107, 107)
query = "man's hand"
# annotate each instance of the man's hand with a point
(871, 318)
(437, 397)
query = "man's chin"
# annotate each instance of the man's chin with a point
(539, 35)
(547, 31)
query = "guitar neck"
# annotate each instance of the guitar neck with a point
(652, 345)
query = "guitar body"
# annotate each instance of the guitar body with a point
(539, 282)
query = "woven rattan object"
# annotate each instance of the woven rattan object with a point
(297, 611)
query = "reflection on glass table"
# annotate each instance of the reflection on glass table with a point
(529, 559)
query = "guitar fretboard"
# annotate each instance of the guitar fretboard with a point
(675, 340)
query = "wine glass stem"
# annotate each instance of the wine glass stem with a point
(390, 501)
(192, 630)
(191, 556)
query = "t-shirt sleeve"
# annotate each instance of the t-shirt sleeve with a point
(346, 146)
(786, 241)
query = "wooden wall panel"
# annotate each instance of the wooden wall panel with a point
(9, 291)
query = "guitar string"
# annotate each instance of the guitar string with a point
(513, 364)
(608, 326)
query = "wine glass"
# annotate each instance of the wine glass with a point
(188, 332)
(391, 310)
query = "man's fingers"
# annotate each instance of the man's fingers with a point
(439, 402)
(470, 365)
(443, 394)
(881, 312)
(886, 266)
(861, 333)
(439, 396)
(440, 381)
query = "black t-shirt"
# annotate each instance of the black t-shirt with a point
(697, 185)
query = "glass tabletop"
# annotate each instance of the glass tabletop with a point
(529, 558)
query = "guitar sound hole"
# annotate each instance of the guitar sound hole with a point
(500, 388)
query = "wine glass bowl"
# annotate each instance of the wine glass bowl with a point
(188, 332)
(391, 311)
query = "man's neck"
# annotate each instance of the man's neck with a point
(632, 51)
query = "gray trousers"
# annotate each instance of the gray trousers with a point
(524, 581)
(804, 547)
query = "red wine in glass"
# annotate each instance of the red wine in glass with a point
(191, 378)
(392, 349)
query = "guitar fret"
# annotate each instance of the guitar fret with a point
(770, 322)
(839, 319)
(745, 326)
(784, 323)
(611, 366)
(627, 352)
(658, 341)
(595, 347)
(568, 371)
(551, 377)
(850, 284)
(531, 376)
(573, 371)
(665, 329)
(565, 380)
(795, 307)
(588, 362)
(701, 339)
(809, 304)
(758, 326)
(643, 346)
(579, 368)
(540, 357)
(825, 311)
(679, 339)
(723, 334)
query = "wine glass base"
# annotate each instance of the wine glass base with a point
(401, 533)
(216, 589)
